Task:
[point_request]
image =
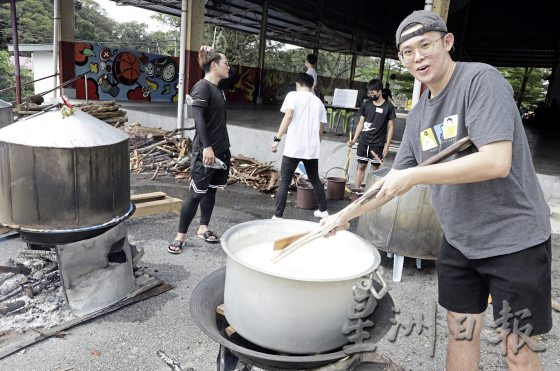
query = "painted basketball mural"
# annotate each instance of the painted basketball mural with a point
(126, 68)
(125, 75)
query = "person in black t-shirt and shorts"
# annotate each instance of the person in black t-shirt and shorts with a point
(374, 131)
(211, 156)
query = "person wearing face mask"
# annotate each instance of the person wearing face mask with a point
(374, 131)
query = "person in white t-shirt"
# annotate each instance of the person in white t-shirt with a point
(310, 63)
(304, 118)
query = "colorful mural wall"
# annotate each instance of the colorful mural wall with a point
(276, 84)
(125, 75)
(118, 74)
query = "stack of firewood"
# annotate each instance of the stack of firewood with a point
(109, 112)
(163, 153)
(255, 174)
(28, 109)
(159, 152)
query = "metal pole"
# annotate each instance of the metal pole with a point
(262, 45)
(382, 61)
(16, 50)
(353, 69)
(181, 83)
(56, 37)
(86, 87)
(417, 84)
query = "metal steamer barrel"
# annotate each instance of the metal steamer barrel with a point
(63, 179)
(406, 225)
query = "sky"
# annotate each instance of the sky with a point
(127, 13)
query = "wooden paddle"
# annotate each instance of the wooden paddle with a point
(368, 195)
(283, 242)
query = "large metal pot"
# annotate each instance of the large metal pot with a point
(63, 174)
(406, 225)
(279, 312)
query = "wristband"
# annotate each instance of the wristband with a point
(276, 139)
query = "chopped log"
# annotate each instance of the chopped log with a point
(139, 150)
(106, 115)
(106, 108)
(6, 308)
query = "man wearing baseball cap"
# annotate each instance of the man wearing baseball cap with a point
(488, 199)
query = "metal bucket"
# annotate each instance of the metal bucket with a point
(336, 185)
(406, 225)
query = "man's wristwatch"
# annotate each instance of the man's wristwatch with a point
(277, 139)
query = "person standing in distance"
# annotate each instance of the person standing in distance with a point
(211, 156)
(488, 199)
(374, 131)
(311, 63)
(304, 119)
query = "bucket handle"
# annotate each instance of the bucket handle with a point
(343, 169)
(366, 283)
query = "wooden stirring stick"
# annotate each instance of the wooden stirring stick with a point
(284, 242)
(368, 195)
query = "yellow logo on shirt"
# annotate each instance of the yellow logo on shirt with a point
(428, 139)
(439, 134)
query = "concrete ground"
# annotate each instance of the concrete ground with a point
(129, 338)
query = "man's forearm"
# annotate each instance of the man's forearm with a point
(390, 130)
(200, 125)
(358, 131)
(284, 125)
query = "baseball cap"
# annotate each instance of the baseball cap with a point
(430, 21)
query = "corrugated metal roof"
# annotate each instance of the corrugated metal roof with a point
(499, 32)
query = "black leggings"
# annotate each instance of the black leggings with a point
(190, 205)
(289, 165)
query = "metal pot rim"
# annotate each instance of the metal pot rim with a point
(235, 229)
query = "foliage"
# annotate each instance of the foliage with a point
(536, 86)
(34, 21)
(92, 22)
(8, 79)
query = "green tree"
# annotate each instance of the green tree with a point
(131, 35)
(92, 22)
(536, 86)
(34, 19)
(8, 79)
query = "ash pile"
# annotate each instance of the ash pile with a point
(31, 296)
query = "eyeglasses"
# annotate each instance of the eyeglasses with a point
(425, 49)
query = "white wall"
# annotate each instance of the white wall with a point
(43, 66)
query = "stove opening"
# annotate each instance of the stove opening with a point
(117, 254)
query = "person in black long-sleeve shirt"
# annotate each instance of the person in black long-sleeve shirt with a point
(211, 156)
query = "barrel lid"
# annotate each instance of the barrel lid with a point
(51, 129)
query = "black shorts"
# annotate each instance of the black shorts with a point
(522, 279)
(363, 154)
(203, 177)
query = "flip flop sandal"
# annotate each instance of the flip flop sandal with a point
(209, 237)
(176, 247)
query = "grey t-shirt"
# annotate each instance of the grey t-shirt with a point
(489, 218)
